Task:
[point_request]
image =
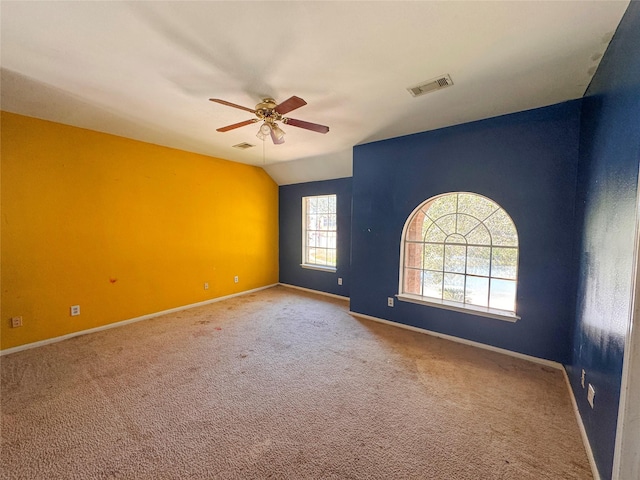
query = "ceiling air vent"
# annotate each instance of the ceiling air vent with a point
(431, 85)
(243, 145)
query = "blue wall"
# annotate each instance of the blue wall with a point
(527, 162)
(291, 236)
(606, 200)
(567, 175)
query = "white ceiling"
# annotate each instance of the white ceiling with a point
(145, 70)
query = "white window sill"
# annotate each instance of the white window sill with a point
(457, 307)
(320, 268)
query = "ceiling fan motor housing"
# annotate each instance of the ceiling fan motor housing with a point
(265, 110)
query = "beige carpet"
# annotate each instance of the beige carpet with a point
(281, 384)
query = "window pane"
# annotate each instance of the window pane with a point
(311, 255)
(331, 222)
(312, 222)
(465, 224)
(454, 258)
(425, 226)
(312, 239)
(503, 294)
(443, 205)
(322, 239)
(312, 205)
(433, 257)
(456, 238)
(447, 224)
(331, 257)
(332, 203)
(479, 236)
(475, 205)
(432, 284)
(412, 281)
(502, 229)
(453, 287)
(331, 239)
(478, 260)
(477, 292)
(320, 256)
(434, 234)
(413, 255)
(322, 222)
(323, 204)
(504, 263)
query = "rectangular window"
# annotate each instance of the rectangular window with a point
(319, 231)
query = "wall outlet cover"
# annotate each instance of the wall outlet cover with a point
(75, 310)
(16, 322)
(339, 280)
(390, 302)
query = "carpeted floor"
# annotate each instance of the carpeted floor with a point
(281, 384)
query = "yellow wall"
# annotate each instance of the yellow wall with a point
(122, 228)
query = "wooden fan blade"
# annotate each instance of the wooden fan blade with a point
(289, 105)
(229, 104)
(236, 125)
(306, 125)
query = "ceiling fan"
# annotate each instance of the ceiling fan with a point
(269, 113)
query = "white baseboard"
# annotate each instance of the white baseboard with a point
(19, 348)
(333, 295)
(484, 346)
(583, 432)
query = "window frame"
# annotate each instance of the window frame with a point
(506, 315)
(305, 230)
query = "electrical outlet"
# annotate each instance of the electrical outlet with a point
(206, 285)
(582, 378)
(16, 322)
(339, 280)
(591, 395)
(75, 310)
(235, 279)
(390, 302)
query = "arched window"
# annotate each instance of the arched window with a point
(460, 251)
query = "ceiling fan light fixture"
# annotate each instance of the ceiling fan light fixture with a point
(277, 134)
(264, 131)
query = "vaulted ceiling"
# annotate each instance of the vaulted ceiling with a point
(146, 70)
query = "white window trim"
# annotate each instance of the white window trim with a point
(460, 307)
(313, 266)
(321, 268)
(445, 304)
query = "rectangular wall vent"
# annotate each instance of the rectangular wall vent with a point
(243, 145)
(431, 85)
